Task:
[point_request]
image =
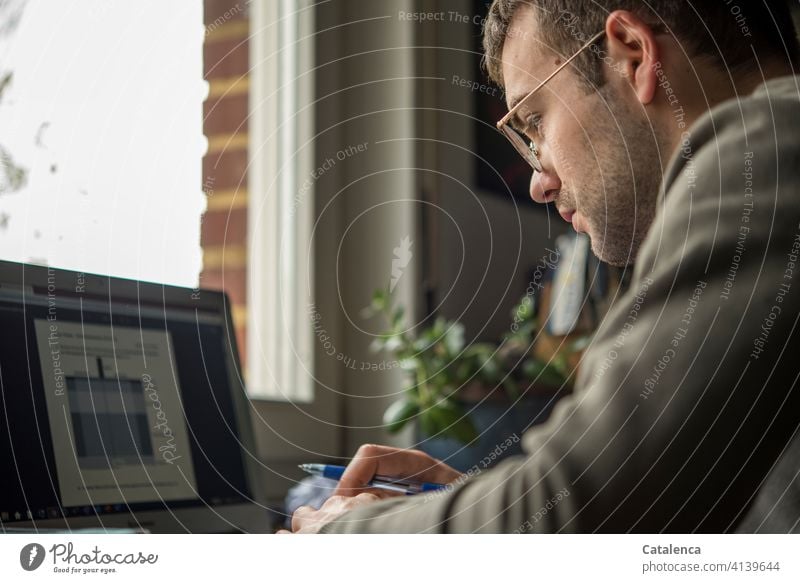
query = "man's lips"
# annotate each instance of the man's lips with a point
(571, 216)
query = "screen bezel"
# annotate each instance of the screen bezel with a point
(29, 279)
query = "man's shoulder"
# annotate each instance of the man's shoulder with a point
(772, 104)
(763, 125)
(787, 87)
(769, 113)
(737, 170)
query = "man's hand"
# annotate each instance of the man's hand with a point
(394, 462)
(306, 520)
(353, 492)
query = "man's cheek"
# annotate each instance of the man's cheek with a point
(563, 157)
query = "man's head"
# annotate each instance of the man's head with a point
(606, 125)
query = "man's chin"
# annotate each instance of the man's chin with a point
(621, 256)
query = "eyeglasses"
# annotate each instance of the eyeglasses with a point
(528, 150)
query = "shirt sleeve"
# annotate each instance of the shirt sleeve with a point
(687, 396)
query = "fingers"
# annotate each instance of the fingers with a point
(308, 520)
(391, 461)
(380, 493)
(300, 517)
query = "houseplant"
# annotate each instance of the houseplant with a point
(440, 367)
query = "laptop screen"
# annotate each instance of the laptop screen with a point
(117, 397)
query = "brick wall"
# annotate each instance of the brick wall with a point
(224, 227)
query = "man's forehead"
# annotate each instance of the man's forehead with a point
(524, 60)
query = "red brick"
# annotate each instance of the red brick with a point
(220, 11)
(223, 227)
(225, 170)
(227, 115)
(226, 58)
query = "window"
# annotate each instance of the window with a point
(280, 213)
(102, 115)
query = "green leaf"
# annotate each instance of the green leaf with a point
(377, 344)
(439, 327)
(397, 317)
(454, 338)
(511, 387)
(380, 300)
(399, 413)
(428, 423)
(423, 343)
(580, 343)
(487, 364)
(394, 343)
(410, 364)
(450, 419)
(490, 370)
(536, 370)
(560, 364)
(525, 309)
(482, 349)
(462, 370)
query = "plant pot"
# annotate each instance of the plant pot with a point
(500, 425)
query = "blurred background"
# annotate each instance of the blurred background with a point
(331, 165)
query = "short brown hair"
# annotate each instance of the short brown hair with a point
(721, 29)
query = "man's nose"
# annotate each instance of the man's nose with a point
(544, 186)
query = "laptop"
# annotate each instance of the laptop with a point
(122, 406)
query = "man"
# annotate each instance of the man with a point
(672, 140)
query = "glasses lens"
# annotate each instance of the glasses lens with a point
(522, 146)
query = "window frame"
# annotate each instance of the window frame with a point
(280, 263)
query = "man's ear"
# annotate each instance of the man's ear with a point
(634, 52)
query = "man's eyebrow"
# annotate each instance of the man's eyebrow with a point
(515, 121)
(514, 101)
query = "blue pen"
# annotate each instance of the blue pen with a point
(401, 485)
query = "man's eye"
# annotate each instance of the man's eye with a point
(534, 123)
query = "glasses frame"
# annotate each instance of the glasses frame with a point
(529, 151)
